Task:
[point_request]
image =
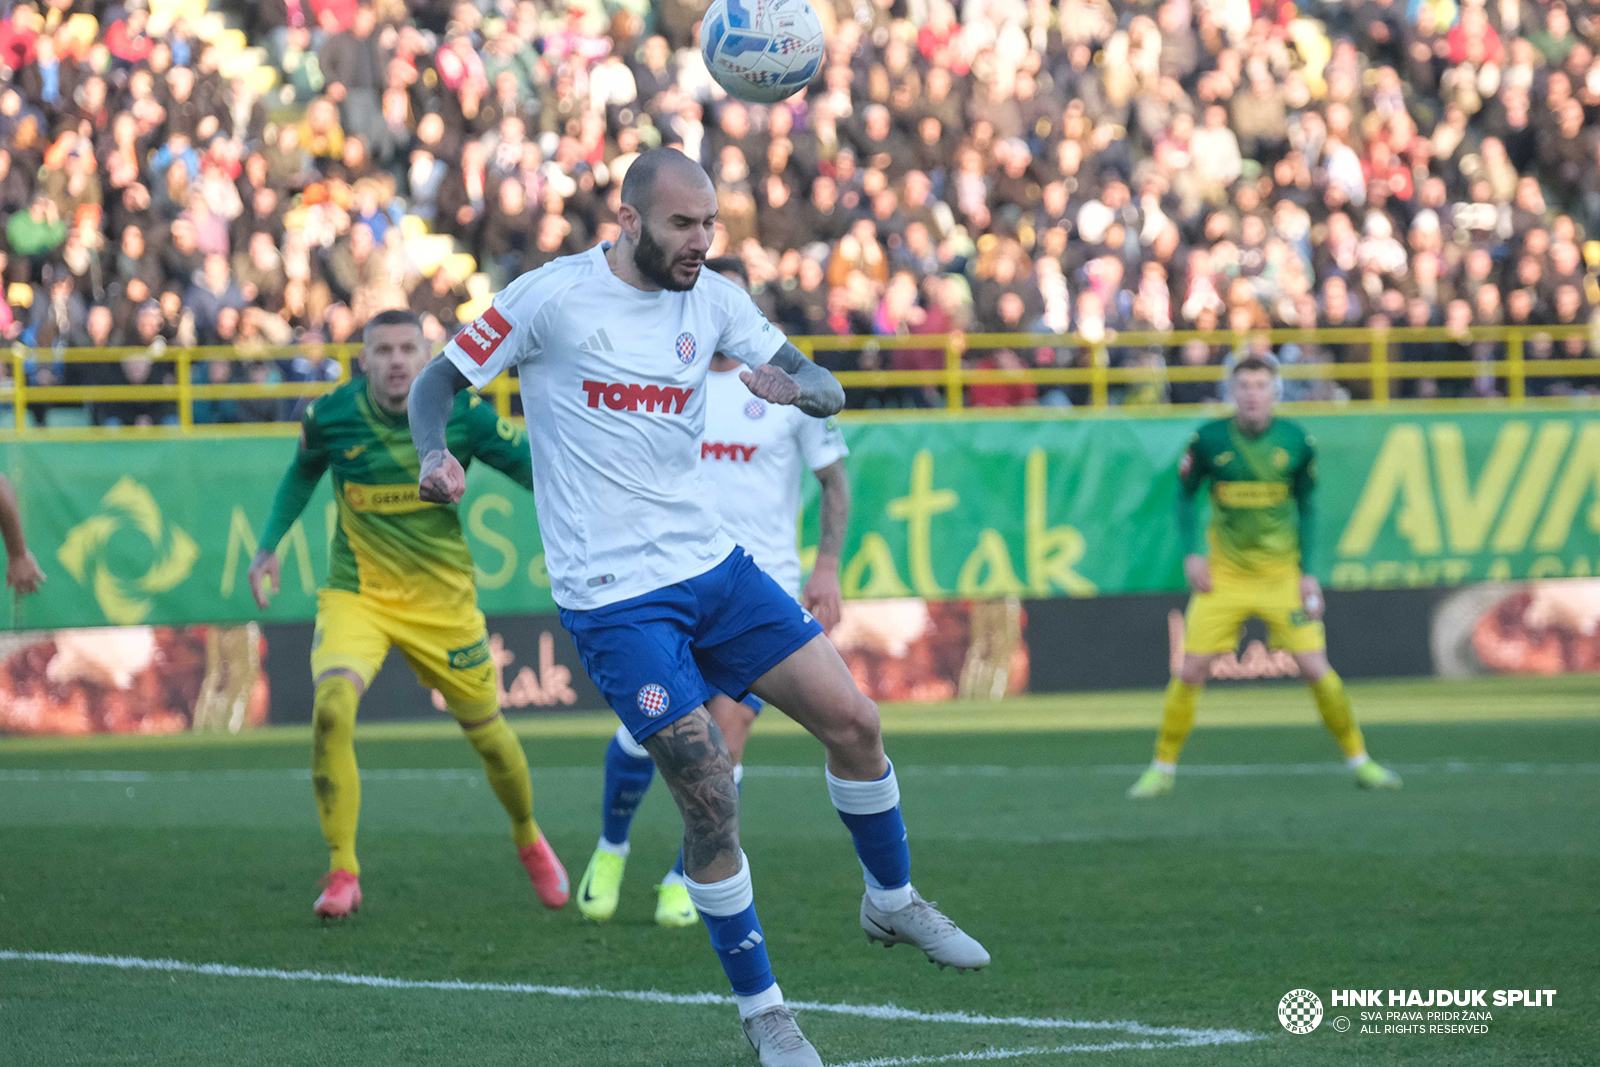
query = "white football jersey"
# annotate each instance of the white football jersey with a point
(612, 387)
(754, 456)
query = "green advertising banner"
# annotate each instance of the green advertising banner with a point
(163, 531)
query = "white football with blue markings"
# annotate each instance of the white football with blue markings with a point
(762, 50)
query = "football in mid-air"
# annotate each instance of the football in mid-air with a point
(762, 50)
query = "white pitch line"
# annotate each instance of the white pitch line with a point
(1185, 1036)
(990, 1054)
(475, 775)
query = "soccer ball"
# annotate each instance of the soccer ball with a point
(761, 50)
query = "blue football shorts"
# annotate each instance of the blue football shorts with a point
(657, 656)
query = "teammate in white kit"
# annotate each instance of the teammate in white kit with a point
(754, 456)
(612, 347)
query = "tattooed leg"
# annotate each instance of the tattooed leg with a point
(694, 762)
(693, 759)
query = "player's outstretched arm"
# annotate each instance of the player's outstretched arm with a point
(433, 396)
(294, 492)
(22, 570)
(790, 378)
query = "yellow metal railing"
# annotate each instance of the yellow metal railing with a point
(1078, 361)
(183, 392)
(1092, 364)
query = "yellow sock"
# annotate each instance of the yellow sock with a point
(1334, 704)
(507, 767)
(1177, 719)
(334, 776)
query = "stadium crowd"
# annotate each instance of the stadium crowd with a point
(1086, 166)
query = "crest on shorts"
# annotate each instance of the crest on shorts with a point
(686, 347)
(754, 409)
(653, 701)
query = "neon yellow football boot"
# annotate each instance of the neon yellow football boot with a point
(601, 885)
(673, 906)
(1374, 775)
(1154, 782)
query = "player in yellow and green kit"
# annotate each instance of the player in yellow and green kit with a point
(1263, 473)
(399, 575)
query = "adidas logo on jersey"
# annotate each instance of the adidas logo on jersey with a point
(597, 342)
(629, 396)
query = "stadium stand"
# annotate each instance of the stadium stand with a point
(270, 174)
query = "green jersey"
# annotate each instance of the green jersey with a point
(1261, 490)
(390, 544)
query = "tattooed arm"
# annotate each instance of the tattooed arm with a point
(790, 378)
(821, 594)
(693, 759)
(433, 396)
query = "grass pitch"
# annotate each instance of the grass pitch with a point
(1160, 932)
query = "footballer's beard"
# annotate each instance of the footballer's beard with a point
(653, 261)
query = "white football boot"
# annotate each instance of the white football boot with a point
(777, 1039)
(925, 926)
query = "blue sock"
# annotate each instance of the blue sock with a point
(628, 777)
(871, 811)
(738, 782)
(729, 911)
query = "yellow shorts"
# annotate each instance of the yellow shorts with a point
(1211, 625)
(447, 651)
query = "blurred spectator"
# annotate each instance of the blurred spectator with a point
(1001, 395)
(1109, 166)
(215, 372)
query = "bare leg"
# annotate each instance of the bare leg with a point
(693, 760)
(1196, 669)
(734, 719)
(814, 688)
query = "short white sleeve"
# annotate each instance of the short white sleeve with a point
(821, 443)
(746, 335)
(489, 344)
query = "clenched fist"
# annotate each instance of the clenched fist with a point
(443, 479)
(772, 384)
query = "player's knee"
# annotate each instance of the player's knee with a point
(1195, 670)
(856, 729)
(333, 710)
(1313, 667)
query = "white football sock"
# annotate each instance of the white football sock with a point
(770, 997)
(889, 899)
